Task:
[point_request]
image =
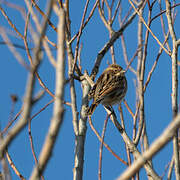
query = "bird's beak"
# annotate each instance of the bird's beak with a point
(123, 72)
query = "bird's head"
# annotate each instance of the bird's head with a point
(118, 70)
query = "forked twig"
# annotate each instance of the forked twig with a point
(107, 147)
(142, 19)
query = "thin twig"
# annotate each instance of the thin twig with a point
(128, 108)
(13, 166)
(106, 145)
(125, 55)
(123, 126)
(30, 134)
(11, 122)
(155, 64)
(10, 22)
(44, 15)
(101, 148)
(86, 22)
(19, 58)
(164, 11)
(149, 29)
(170, 169)
(107, 46)
(79, 35)
(163, 26)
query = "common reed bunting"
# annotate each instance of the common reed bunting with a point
(109, 89)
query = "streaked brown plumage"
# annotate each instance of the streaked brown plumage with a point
(109, 89)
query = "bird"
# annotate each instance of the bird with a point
(109, 89)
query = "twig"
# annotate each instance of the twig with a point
(170, 169)
(131, 146)
(166, 169)
(101, 148)
(10, 22)
(163, 25)
(174, 87)
(27, 106)
(130, 62)
(101, 13)
(125, 55)
(86, 22)
(45, 16)
(79, 57)
(36, 73)
(29, 54)
(164, 11)
(125, 17)
(11, 122)
(36, 20)
(12, 49)
(11, 163)
(30, 134)
(108, 23)
(79, 144)
(128, 108)
(79, 126)
(5, 174)
(135, 121)
(14, 45)
(140, 77)
(156, 146)
(116, 11)
(140, 80)
(45, 44)
(32, 145)
(123, 126)
(79, 35)
(149, 29)
(107, 46)
(155, 64)
(106, 145)
(58, 110)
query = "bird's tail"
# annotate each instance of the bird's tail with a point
(91, 109)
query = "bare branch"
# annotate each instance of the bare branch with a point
(149, 29)
(150, 172)
(107, 147)
(156, 146)
(12, 49)
(174, 87)
(107, 46)
(101, 149)
(58, 110)
(79, 35)
(13, 166)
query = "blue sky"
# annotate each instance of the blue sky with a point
(158, 113)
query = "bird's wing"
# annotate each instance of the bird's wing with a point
(107, 86)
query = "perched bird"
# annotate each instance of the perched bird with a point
(109, 89)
